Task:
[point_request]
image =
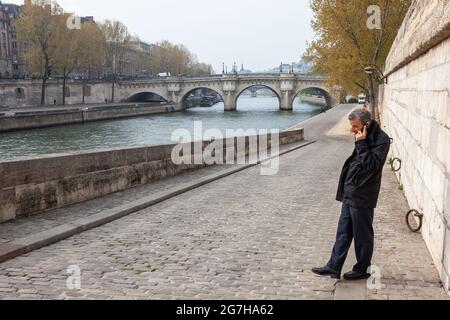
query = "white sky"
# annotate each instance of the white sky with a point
(257, 33)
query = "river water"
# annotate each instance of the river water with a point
(253, 113)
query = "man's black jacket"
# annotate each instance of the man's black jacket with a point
(360, 182)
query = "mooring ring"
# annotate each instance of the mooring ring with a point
(416, 214)
(393, 164)
(392, 140)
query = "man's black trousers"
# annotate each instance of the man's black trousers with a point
(354, 224)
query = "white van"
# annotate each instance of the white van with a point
(361, 99)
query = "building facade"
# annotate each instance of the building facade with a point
(12, 62)
(135, 63)
(137, 60)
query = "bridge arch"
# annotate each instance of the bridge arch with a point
(146, 96)
(19, 93)
(184, 94)
(320, 89)
(244, 88)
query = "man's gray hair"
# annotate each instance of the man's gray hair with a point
(362, 115)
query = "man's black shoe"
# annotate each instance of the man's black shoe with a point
(326, 271)
(353, 275)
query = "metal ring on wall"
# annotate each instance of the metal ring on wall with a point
(414, 214)
(393, 164)
(392, 140)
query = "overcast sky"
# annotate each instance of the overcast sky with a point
(257, 33)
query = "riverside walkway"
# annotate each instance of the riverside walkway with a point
(244, 236)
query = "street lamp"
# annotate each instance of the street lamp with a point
(370, 70)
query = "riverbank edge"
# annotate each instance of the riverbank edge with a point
(19, 121)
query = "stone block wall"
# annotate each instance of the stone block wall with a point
(415, 111)
(31, 93)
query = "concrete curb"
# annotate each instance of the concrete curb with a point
(25, 245)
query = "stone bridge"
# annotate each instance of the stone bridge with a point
(172, 89)
(286, 87)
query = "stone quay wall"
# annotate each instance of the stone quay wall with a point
(47, 118)
(415, 111)
(32, 185)
(28, 93)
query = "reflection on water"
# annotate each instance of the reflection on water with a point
(253, 113)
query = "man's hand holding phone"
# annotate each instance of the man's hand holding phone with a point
(362, 135)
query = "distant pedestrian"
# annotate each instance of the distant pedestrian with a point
(359, 189)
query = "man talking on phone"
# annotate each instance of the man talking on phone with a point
(359, 189)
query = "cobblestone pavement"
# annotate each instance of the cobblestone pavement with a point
(405, 263)
(23, 227)
(246, 236)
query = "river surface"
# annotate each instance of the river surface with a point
(253, 113)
